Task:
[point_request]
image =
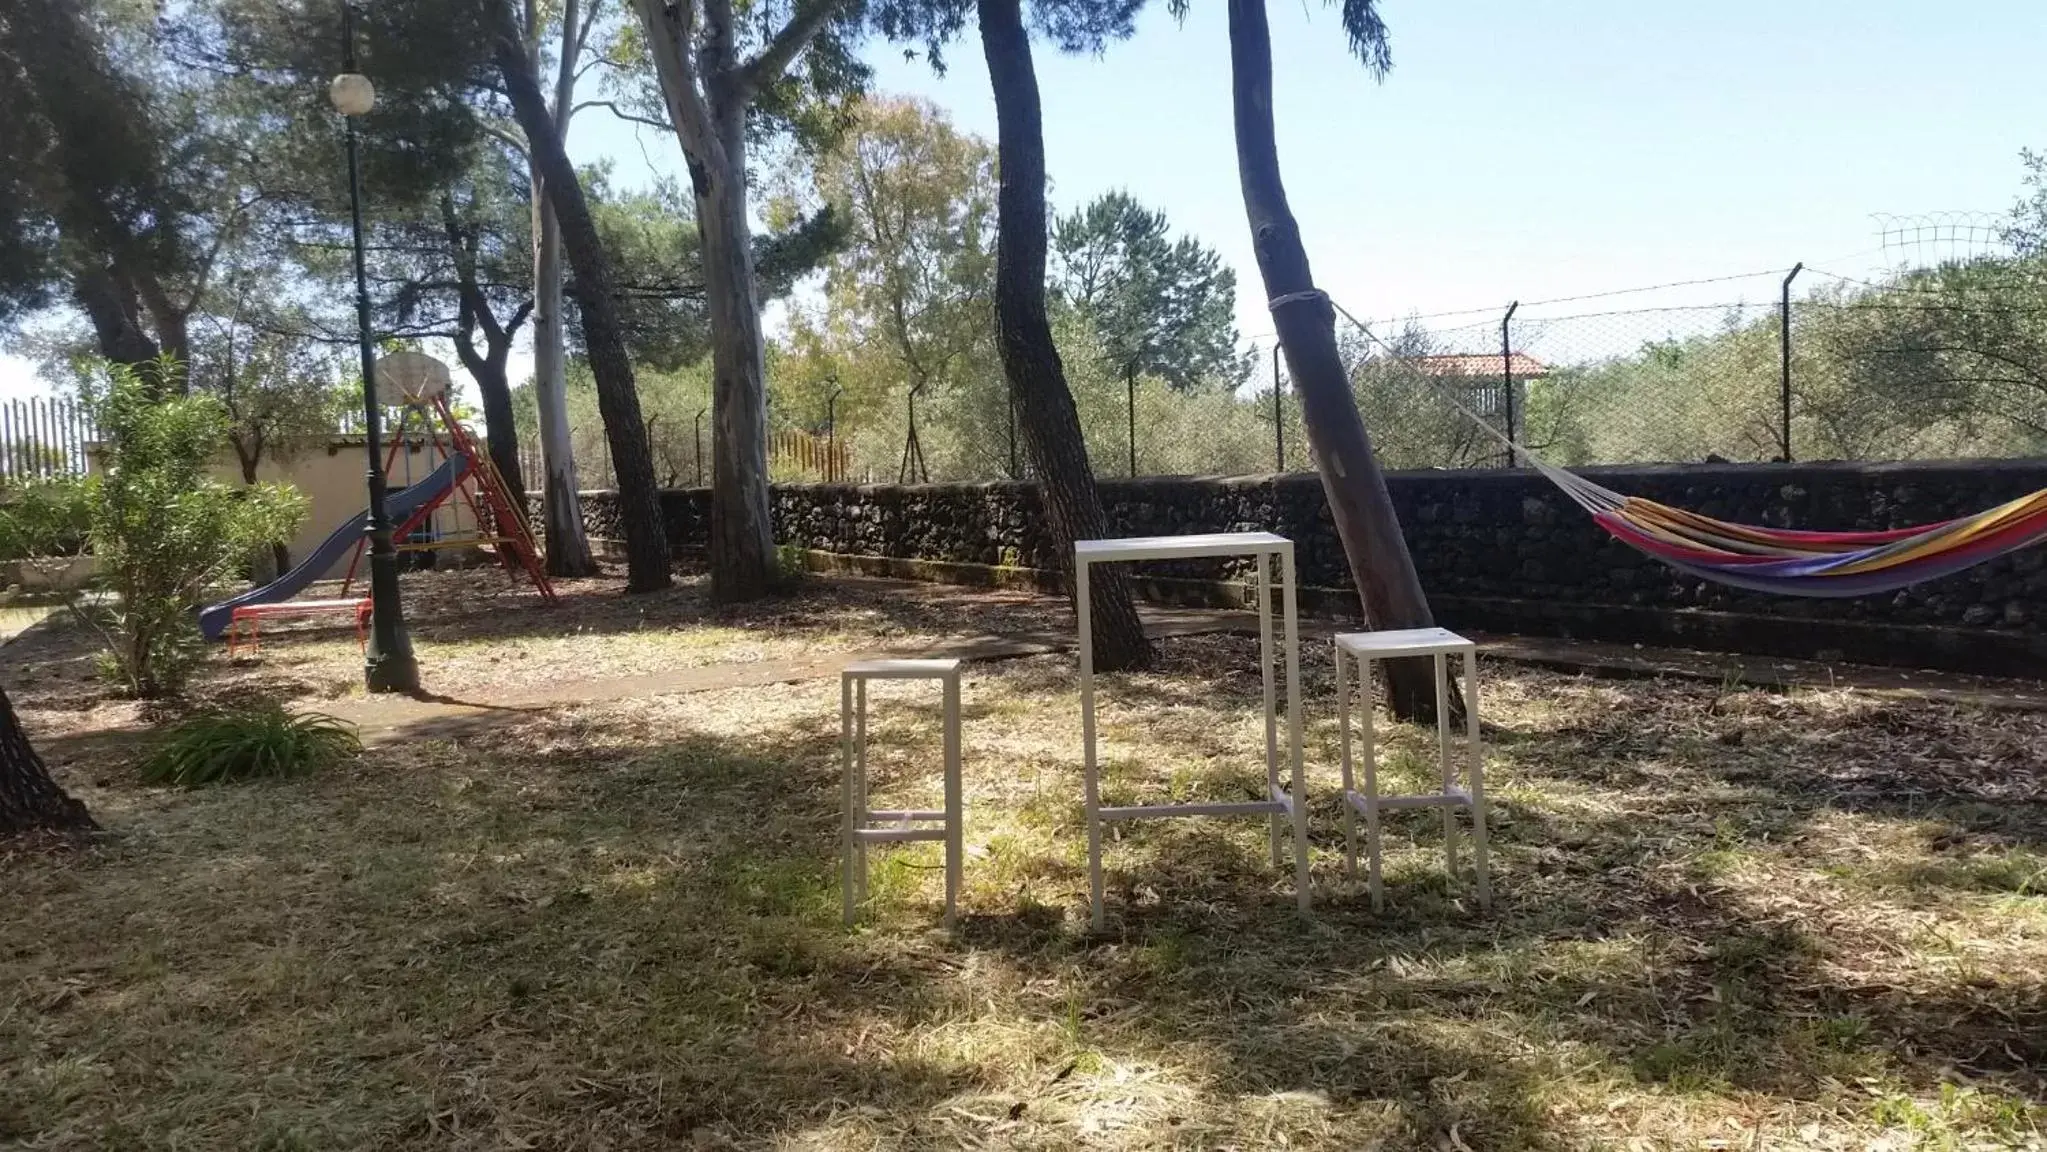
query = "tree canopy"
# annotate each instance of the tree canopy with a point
(1162, 307)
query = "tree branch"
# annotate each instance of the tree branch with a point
(669, 31)
(631, 118)
(794, 37)
(506, 137)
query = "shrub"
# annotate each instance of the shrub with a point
(251, 742)
(164, 531)
(44, 517)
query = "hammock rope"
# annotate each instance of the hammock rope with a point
(1783, 561)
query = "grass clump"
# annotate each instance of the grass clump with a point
(249, 742)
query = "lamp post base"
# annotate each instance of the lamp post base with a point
(388, 662)
(383, 672)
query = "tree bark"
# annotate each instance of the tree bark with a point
(742, 530)
(250, 457)
(500, 434)
(568, 546)
(30, 801)
(1351, 480)
(116, 319)
(487, 367)
(1030, 360)
(710, 124)
(618, 401)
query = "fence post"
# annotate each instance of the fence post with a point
(1130, 395)
(700, 447)
(831, 428)
(1278, 414)
(1507, 377)
(1784, 357)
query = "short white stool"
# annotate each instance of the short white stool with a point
(863, 826)
(1440, 643)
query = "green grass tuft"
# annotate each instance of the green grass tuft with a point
(250, 742)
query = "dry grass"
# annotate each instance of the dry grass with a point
(1725, 918)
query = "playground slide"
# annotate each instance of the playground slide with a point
(213, 621)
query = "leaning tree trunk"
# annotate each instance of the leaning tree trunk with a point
(1030, 360)
(742, 532)
(1351, 480)
(29, 800)
(618, 402)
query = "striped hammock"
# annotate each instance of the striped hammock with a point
(1779, 560)
(1795, 563)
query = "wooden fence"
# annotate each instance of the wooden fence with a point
(44, 437)
(794, 456)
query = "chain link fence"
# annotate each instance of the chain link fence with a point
(1927, 362)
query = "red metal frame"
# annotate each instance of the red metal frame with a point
(510, 528)
(253, 614)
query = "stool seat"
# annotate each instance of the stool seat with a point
(1402, 642)
(893, 669)
(861, 825)
(1439, 644)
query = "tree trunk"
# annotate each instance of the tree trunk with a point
(639, 503)
(1351, 480)
(1030, 360)
(742, 541)
(29, 800)
(568, 547)
(280, 553)
(116, 318)
(501, 435)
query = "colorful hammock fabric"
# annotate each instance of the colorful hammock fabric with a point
(1779, 560)
(1796, 563)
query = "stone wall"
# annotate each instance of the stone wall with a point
(1497, 550)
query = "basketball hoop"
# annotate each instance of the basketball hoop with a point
(410, 379)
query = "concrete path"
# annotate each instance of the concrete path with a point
(384, 718)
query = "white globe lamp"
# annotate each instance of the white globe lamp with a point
(352, 94)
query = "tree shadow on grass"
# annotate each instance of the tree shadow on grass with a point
(609, 926)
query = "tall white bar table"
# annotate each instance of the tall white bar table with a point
(1279, 802)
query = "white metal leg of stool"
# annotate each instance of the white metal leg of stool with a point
(1298, 795)
(1368, 704)
(1447, 764)
(847, 805)
(954, 805)
(1474, 753)
(1271, 711)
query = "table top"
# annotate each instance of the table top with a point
(902, 669)
(1178, 547)
(1403, 642)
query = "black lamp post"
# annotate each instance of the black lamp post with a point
(388, 664)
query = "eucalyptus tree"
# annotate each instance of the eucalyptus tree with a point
(723, 70)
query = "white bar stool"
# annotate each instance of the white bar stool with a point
(1440, 643)
(863, 826)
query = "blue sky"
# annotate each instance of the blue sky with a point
(1532, 150)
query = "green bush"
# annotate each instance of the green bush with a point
(45, 517)
(164, 530)
(252, 742)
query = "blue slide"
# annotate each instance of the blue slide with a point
(213, 621)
